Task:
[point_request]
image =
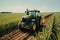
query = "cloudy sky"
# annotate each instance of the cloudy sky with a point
(21, 5)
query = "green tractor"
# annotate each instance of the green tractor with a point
(31, 21)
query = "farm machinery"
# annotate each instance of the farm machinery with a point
(31, 21)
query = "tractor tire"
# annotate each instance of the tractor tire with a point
(34, 26)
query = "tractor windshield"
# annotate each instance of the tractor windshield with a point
(33, 13)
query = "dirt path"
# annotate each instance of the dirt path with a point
(16, 35)
(46, 20)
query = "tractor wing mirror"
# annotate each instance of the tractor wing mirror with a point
(38, 11)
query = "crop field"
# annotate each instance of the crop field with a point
(8, 21)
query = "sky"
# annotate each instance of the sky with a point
(22, 5)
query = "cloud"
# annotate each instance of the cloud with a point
(13, 9)
(22, 9)
(45, 9)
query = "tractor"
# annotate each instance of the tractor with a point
(31, 22)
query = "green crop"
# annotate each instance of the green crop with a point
(9, 20)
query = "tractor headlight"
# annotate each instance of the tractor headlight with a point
(33, 19)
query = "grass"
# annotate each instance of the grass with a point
(57, 15)
(9, 20)
(48, 31)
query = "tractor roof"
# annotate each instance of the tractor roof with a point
(33, 11)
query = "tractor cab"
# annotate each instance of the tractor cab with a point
(32, 13)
